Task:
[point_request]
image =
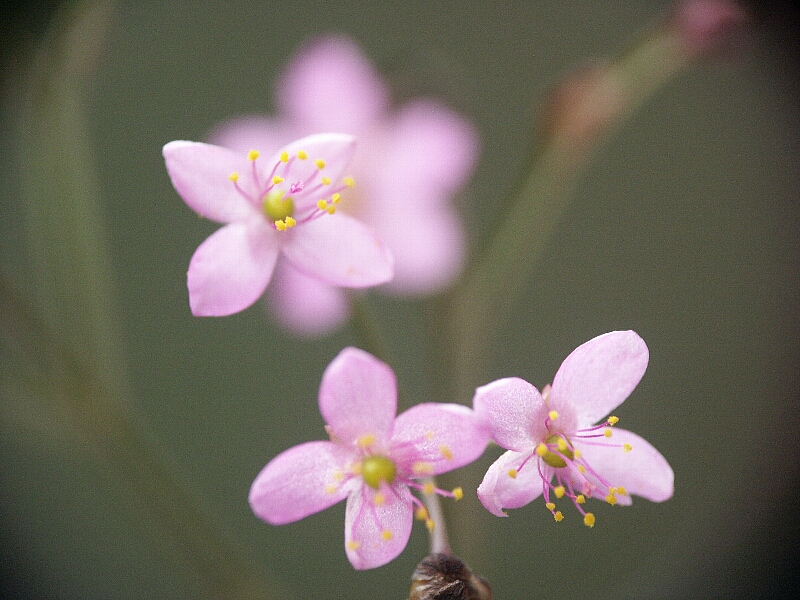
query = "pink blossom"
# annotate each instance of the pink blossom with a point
(282, 206)
(372, 459)
(553, 435)
(409, 164)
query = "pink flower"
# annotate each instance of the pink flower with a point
(409, 164)
(283, 206)
(552, 436)
(372, 459)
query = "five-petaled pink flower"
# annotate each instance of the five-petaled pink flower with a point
(283, 206)
(409, 164)
(372, 459)
(553, 435)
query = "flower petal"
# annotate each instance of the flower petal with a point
(299, 482)
(643, 471)
(376, 534)
(306, 306)
(358, 396)
(231, 268)
(598, 376)
(499, 490)
(447, 436)
(340, 251)
(200, 174)
(514, 411)
(330, 85)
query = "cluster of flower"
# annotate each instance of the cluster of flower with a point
(290, 214)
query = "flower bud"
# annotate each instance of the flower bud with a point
(446, 577)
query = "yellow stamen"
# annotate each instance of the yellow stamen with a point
(290, 222)
(577, 453)
(580, 499)
(326, 181)
(446, 452)
(458, 493)
(588, 519)
(302, 155)
(277, 179)
(512, 473)
(428, 434)
(280, 225)
(422, 468)
(331, 209)
(349, 181)
(550, 506)
(581, 468)
(421, 513)
(611, 499)
(607, 433)
(558, 516)
(613, 420)
(336, 198)
(429, 524)
(253, 154)
(560, 491)
(627, 447)
(386, 535)
(322, 205)
(284, 157)
(562, 445)
(330, 489)
(353, 545)
(428, 488)
(320, 163)
(366, 440)
(553, 414)
(541, 449)
(234, 177)
(622, 491)
(378, 499)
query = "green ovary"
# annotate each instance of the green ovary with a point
(276, 207)
(556, 459)
(376, 469)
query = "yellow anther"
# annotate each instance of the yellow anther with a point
(349, 181)
(580, 499)
(558, 516)
(284, 156)
(429, 435)
(428, 488)
(607, 433)
(576, 453)
(331, 209)
(422, 468)
(613, 420)
(541, 449)
(277, 179)
(512, 473)
(622, 491)
(302, 155)
(581, 468)
(458, 493)
(353, 545)
(280, 225)
(550, 506)
(320, 163)
(611, 499)
(253, 154)
(338, 475)
(366, 440)
(421, 513)
(553, 414)
(378, 499)
(326, 181)
(336, 198)
(446, 452)
(386, 535)
(627, 447)
(322, 205)
(562, 445)
(560, 491)
(290, 222)
(330, 489)
(588, 519)
(429, 524)
(234, 176)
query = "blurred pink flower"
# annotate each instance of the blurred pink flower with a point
(372, 459)
(409, 164)
(552, 435)
(286, 205)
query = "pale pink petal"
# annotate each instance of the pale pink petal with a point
(231, 269)
(499, 490)
(598, 376)
(200, 173)
(514, 411)
(358, 396)
(447, 436)
(642, 472)
(306, 306)
(341, 251)
(299, 482)
(265, 134)
(375, 535)
(334, 149)
(330, 85)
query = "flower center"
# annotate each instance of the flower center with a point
(375, 469)
(276, 206)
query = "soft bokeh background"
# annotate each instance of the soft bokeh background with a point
(684, 228)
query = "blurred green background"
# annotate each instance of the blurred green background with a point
(684, 227)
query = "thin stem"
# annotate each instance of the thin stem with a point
(440, 544)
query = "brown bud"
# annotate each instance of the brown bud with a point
(446, 577)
